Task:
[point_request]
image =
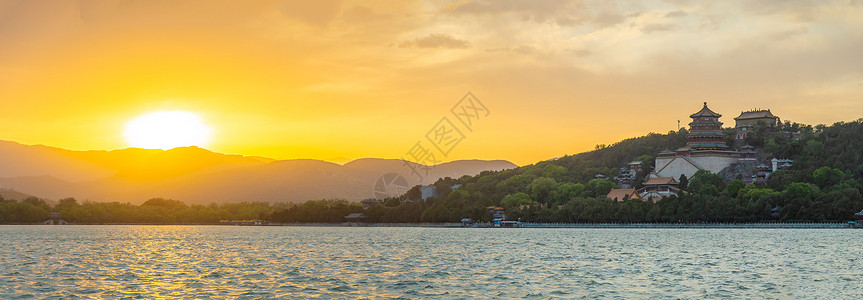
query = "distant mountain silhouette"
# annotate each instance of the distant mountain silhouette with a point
(8, 194)
(196, 175)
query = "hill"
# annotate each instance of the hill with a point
(13, 195)
(19, 160)
(825, 183)
(197, 175)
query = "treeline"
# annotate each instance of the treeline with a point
(166, 211)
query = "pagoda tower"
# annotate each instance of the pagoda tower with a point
(705, 149)
(705, 131)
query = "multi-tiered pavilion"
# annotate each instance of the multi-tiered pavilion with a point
(705, 149)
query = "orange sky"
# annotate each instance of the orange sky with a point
(340, 80)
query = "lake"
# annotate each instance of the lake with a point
(144, 262)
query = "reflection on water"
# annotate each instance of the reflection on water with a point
(305, 262)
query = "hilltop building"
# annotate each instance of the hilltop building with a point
(705, 149)
(748, 119)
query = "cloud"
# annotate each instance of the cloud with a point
(581, 58)
(318, 13)
(607, 18)
(562, 12)
(436, 41)
(651, 28)
(798, 10)
(454, 6)
(676, 14)
(524, 50)
(362, 14)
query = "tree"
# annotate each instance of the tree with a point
(704, 182)
(599, 187)
(516, 183)
(541, 188)
(38, 202)
(517, 199)
(565, 191)
(414, 193)
(798, 198)
(557, 173)
(826, 177)
(734, 187)
(683, 182)
(165, 203)
(780, 179)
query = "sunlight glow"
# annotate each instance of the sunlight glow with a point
(167, 130)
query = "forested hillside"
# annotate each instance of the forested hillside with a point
(825, 183)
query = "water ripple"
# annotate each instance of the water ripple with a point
(145, 262)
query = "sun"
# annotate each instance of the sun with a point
(166, 130)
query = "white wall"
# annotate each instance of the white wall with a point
(674, 167)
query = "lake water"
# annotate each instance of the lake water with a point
(450, 263)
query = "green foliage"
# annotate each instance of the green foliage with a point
(683, 182)
(798, 201)
(516, 183)
(514, 200)
(734, 187)
(704, 182)
(541, 188)
(780, 179)
(565, 191)
(554, 172)
(414, 193)
(826, 177)
(320, 211)
(754, 193)
(168, 211)
(599, 187)
(30, 210)
(824, 184)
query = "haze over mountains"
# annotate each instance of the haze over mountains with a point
(196, 175)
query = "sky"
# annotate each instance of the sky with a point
(341, 80)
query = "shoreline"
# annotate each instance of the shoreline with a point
(785, 225)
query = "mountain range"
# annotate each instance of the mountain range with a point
(198, 176)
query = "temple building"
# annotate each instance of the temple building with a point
(748, 153)
(705, 149)
(620, 195)
(749, 119)
(658, 187)
(626, 175)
